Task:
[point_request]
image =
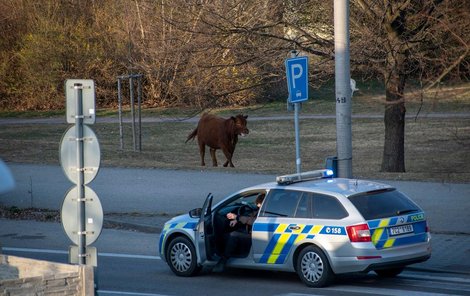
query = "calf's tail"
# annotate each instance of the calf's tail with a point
(191, 135)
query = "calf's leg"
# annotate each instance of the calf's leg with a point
(228, 155)
(214, 159)
(202, 151)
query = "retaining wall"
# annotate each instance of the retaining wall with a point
(22, 276)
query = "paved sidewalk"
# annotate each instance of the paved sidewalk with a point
(450, 253)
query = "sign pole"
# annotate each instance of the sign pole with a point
(80, 160)
(297, 83)
(139, 106)
(120, 114)
(80, 182)
(298, 160)
(131, 95)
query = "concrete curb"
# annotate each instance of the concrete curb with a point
(116, 224)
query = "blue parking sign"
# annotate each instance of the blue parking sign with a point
(297, 79)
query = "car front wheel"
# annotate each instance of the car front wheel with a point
(313, 267)
(181, 257)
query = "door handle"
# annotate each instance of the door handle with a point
(295, 227)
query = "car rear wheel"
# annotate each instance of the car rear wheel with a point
(313, 267)
(391, 272)
(181, 257)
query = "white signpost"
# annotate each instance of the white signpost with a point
(88, 100)
(297, 84)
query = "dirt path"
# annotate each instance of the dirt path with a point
(59, 120)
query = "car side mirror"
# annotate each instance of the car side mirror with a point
(195, 213)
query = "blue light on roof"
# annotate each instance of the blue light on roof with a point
(328, 173)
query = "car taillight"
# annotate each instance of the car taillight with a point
(358, 233)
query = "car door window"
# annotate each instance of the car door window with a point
(281, 203)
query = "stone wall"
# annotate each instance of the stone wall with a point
(22, 276)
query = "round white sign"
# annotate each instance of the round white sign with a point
(93, 215)
(91, 154)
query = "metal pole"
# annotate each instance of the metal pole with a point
(139, 101)
(131, 94)
(343, 89)
(120, 115)
(80, 181)
(298, 160)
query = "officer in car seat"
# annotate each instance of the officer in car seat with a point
(242, 236)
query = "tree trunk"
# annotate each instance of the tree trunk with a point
(394, 145)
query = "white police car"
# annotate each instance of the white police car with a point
(311, 224)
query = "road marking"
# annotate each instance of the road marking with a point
(34, 250)
(27, 250)
(100, 292)
(129, 256)
(383, 291)
(444, 283)
(433, 278)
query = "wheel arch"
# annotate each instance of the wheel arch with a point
(302, 246)
(173, 236)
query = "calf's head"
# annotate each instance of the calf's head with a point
(240, 125)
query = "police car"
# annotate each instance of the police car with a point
(309, 223)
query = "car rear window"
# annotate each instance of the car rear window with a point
(383, 204)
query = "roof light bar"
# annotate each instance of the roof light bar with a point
(311, 175)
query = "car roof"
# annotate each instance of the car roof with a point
(342, 186)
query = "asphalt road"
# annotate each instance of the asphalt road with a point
(128, 261)
(124, 190)
(128, 265)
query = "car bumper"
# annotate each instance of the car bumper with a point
(372, 259)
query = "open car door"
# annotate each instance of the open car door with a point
(201, 227)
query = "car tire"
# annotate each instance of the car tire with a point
(181, 257)
(391, 272)
(313, 267)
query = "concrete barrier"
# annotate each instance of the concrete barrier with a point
(22, 276)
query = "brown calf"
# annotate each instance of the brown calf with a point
(219, 133)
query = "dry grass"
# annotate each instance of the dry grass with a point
(437, 149)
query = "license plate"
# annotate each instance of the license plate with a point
(397, 230)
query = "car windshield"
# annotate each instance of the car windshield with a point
(383, 204)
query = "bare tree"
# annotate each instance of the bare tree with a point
(403, 40)
(222, 52)
(400, 40)
(226, 52)
(54, 40)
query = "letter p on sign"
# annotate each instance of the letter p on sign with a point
(297, 79)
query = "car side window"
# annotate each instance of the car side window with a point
(327, 207)
(304, 208)
(281, 203)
